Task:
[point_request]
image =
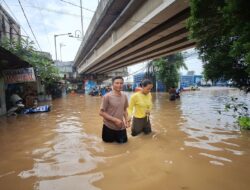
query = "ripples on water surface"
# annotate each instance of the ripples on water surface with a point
(192, 147)
(208, 130)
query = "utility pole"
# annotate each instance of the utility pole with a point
(61, 45)
(55, 46)
(81, 17)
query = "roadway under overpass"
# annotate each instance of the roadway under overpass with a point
(127, 32)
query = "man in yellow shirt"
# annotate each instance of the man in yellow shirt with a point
(140, 106)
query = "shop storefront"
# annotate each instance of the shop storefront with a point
(16, 76)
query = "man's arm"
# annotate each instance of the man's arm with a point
(127, 121)
(106, 116)
(125, 115)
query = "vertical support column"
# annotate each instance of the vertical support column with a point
(114, 36)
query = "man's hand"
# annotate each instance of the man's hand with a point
(129, 119)
(118, 122)
(127, 123)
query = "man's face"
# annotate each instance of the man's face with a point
(118, 84)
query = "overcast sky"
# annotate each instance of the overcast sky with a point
(52, 17)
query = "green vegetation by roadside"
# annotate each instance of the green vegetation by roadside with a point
(221, 30)
(167, 69)
(42, 64)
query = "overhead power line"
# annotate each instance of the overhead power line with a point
(14, 17)
(45, 29)
(77, 15)
(29, 24)
(139, 70)
(77, 6)
(136, 21)
(52, 10)
(145, 67)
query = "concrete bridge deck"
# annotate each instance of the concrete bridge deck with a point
(127, 32)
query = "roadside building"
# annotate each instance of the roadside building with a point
(68, 73)
(190, 80)
(66, 69)
(9, 28)
(15, 75)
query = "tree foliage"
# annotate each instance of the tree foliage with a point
(222, 32)
(26, 51)
(167, 69)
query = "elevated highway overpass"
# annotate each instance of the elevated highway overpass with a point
(126, 32)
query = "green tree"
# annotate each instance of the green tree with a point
(222, 32)
(26, 51)
(167, 69)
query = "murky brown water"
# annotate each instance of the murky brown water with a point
(192, 147)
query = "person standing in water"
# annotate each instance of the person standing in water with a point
(114, 112)
(139, 108)
(172, 93)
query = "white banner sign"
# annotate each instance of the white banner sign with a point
(19, 75)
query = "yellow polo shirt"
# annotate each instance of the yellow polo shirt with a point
(139, 103)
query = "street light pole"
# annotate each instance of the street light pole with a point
(61, 45)
(55, 46)
(56, 35)
(77, 35)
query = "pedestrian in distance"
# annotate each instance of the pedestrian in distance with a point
(140, 105)
(114, 112)
(172, 93)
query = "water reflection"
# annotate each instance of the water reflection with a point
(71, 182)
(68, 155)
(208, 130)
(63, 150)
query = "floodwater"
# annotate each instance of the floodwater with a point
(192, 147)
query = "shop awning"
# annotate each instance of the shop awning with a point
(10, 61)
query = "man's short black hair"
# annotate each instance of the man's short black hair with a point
(117, 77)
